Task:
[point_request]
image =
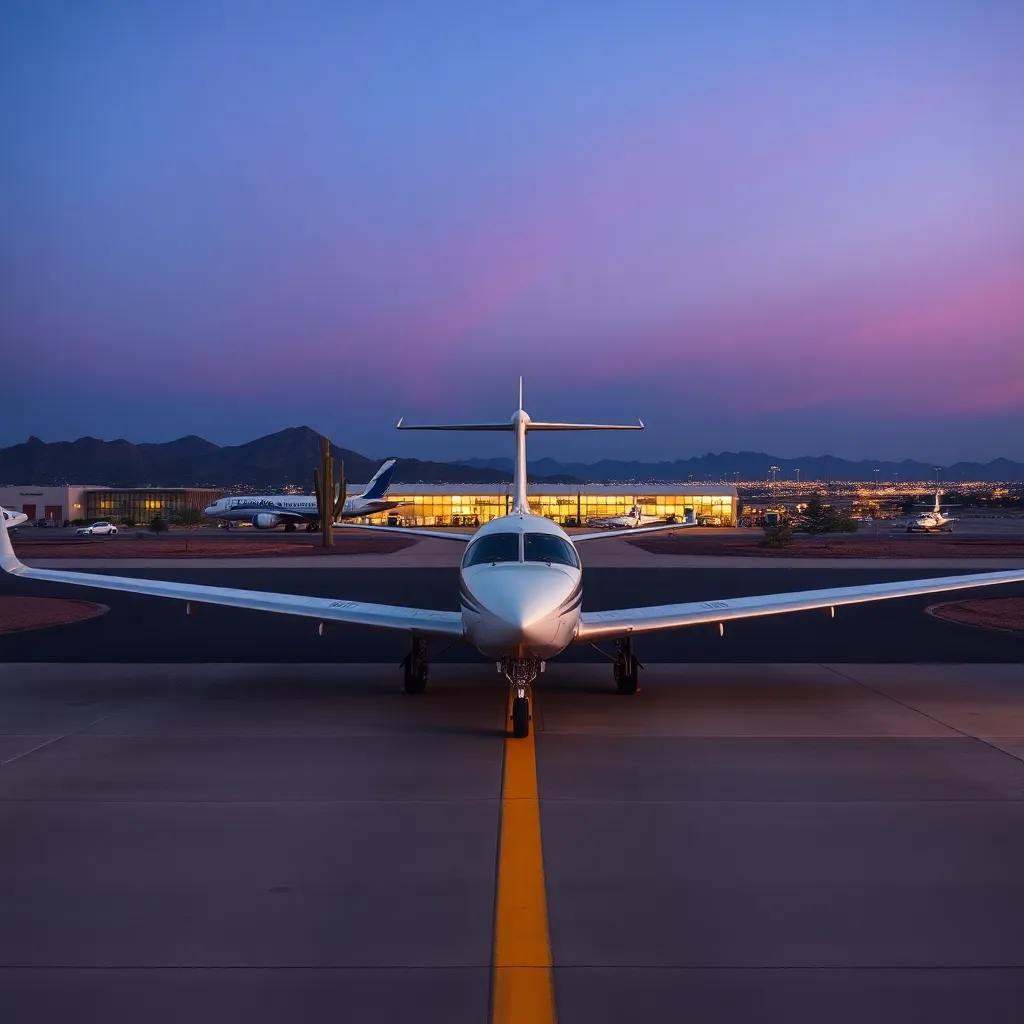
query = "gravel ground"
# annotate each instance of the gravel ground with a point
(19, 613)
(178, 547)
(1006, 613)
(845, 547)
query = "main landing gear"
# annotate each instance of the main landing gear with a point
(415, 666)
(625, 667)
(520, 673)
(289, 527)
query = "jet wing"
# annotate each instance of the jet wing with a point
(600, 625)
(463, 538)
(361, 613)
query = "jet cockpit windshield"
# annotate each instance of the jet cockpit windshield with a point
(546, 547)
(495, 547)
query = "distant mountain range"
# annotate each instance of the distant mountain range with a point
(730, 466)
(289, 456)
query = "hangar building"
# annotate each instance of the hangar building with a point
(57, 505)
(73, 502)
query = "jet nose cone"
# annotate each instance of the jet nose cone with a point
(522, 603)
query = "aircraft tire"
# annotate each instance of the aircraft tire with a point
(627, 683)
(416, 681)
(520, 717)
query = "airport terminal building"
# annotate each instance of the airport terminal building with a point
(141, 505)
(421, 504)
(566, 504)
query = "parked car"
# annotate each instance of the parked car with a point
(96, 528)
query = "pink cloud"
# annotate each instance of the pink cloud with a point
(949, 337)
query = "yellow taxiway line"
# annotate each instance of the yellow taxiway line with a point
(522, 990)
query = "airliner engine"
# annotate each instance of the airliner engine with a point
(266, 521)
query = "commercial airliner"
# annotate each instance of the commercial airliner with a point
(266, 511)
(934, 520)
(12, 519)
(520, 592)
(630, 521)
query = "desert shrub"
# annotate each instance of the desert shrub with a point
(779, 535)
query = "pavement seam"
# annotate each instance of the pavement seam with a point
(63, 736)
(918, 711)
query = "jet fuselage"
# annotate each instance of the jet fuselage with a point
(520, 589)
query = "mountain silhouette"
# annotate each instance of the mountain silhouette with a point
(285, 457)
(289, 457)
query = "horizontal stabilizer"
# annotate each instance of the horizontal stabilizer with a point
(507, 425)
(533, 425)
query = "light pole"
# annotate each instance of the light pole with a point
(774, 471)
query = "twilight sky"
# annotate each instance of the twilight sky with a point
(788, 227)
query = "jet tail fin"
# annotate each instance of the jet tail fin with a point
(520, 424)
(378, 486)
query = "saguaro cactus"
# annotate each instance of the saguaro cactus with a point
(325, 492)
(340, 491)
(331, 493)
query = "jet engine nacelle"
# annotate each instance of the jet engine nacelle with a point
(266, 521)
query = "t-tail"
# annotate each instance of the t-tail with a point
(519, 424)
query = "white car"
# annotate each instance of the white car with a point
(96, 528)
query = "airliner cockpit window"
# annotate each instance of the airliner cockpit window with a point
(546, 547)
(495, 547)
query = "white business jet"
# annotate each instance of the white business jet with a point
(12, 519)
(520, 591)
(934, 520)
(630, 521)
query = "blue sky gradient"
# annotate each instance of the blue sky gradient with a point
(790, 227)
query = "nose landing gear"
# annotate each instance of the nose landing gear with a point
(520, 673)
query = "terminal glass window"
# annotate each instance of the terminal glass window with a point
(497, 547)
(545, 547)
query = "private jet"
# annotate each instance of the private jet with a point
(630, 521)
(520, 591)
(268, 511)
(12, 519)
(933, 521)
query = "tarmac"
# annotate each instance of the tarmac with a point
(224, 817)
